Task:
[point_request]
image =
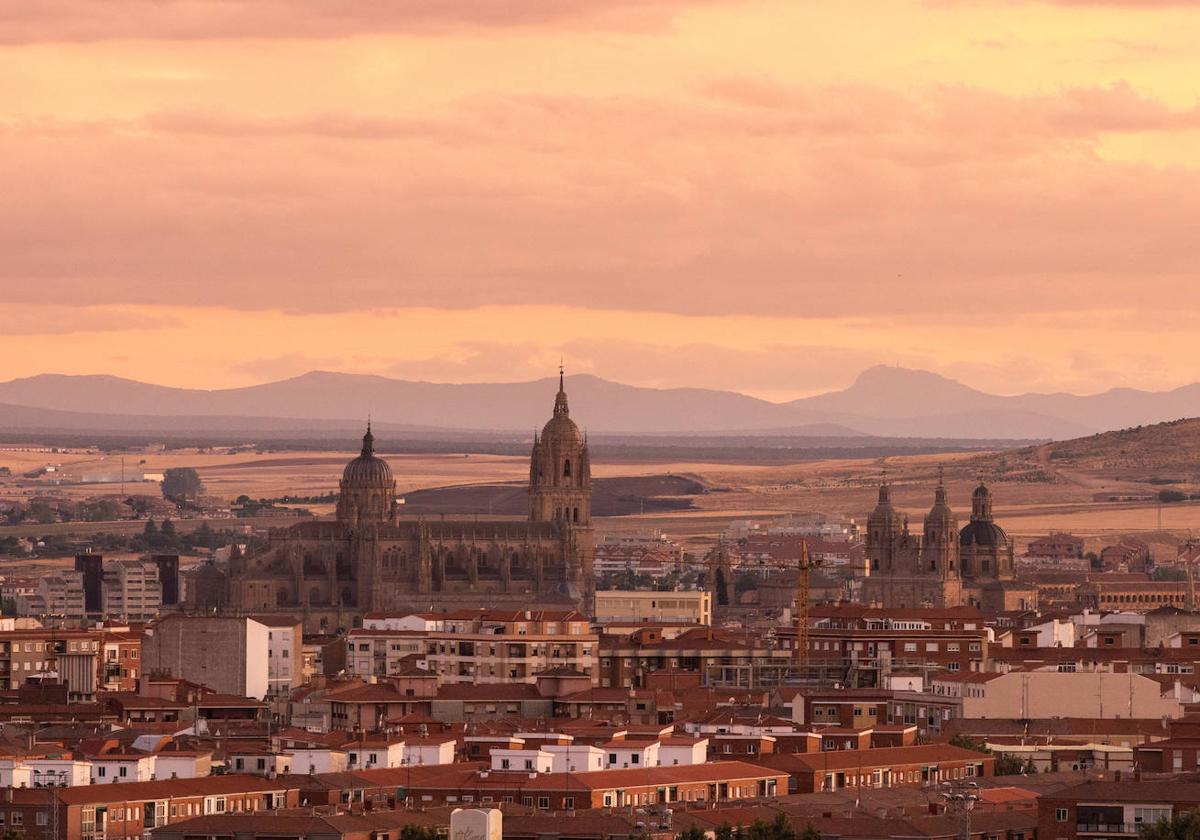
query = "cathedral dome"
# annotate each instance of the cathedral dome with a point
(982, 533)
(563, 430)
(367, 470)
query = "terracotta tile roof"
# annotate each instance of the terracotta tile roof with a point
(878, 757)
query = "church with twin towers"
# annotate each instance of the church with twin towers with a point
(368, 559)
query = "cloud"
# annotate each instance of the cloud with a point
(756, 198)
(62, 320)
(98, 20)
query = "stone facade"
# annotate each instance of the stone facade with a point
(367, 559)
(943, 566)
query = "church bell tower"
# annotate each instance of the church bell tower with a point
(560, 471)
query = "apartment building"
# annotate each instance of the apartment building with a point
(122, 661)
(474, 646)
(721, 658)
(913, 766)
(285, 647)
(129, 811)
(71, 657)
(636, 606)
(58, 595)
(1112, 810)
(228, 654)
(132, 590)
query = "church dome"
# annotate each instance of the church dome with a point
(367, 470)
(982, 533)
(562, 429)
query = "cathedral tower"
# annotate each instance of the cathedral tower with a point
(560, 472)
(367, 492)
(940, 545)
(885, 528)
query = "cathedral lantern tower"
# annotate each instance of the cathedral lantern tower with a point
(941, 536)
(367, 493)
(560, 472)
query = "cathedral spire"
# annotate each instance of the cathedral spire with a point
(368, 448)
(560, 400)
(939, 495)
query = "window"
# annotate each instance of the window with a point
(569, 803)
(1061, 814)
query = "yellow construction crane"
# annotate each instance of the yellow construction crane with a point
(805, 563)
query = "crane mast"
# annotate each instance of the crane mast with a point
(805, 564)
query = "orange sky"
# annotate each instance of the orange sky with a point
(763, 196)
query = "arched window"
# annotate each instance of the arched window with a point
(576, 516)
(567, 468)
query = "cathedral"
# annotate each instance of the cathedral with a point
(943, 566)
(368, 559)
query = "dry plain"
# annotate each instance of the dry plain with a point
(1062, 499)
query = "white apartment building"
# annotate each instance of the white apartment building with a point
(633, 606)
(132, 590)
(285, 643)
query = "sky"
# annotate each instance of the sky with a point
(760, 195)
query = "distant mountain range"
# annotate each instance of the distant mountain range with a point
(883, 401)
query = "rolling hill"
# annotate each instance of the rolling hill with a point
(882, 402)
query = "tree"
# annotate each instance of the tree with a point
(966, 742)
(693, 833)
(724, 832)
(420, 832)
(810, 832)
(721, 587)
(1011, 765)
(41, 513)
(181, 484)
(167, 536)
(1185, 826)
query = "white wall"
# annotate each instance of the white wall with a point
(429, 753)
(583, 758)
(1045, 694)
(179, 766)
(671, 754)
(318, 761)
(257, 644)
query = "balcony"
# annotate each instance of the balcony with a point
(1109, 828)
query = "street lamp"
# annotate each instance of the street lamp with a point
(960, 799)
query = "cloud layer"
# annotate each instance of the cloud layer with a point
(958, 168)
